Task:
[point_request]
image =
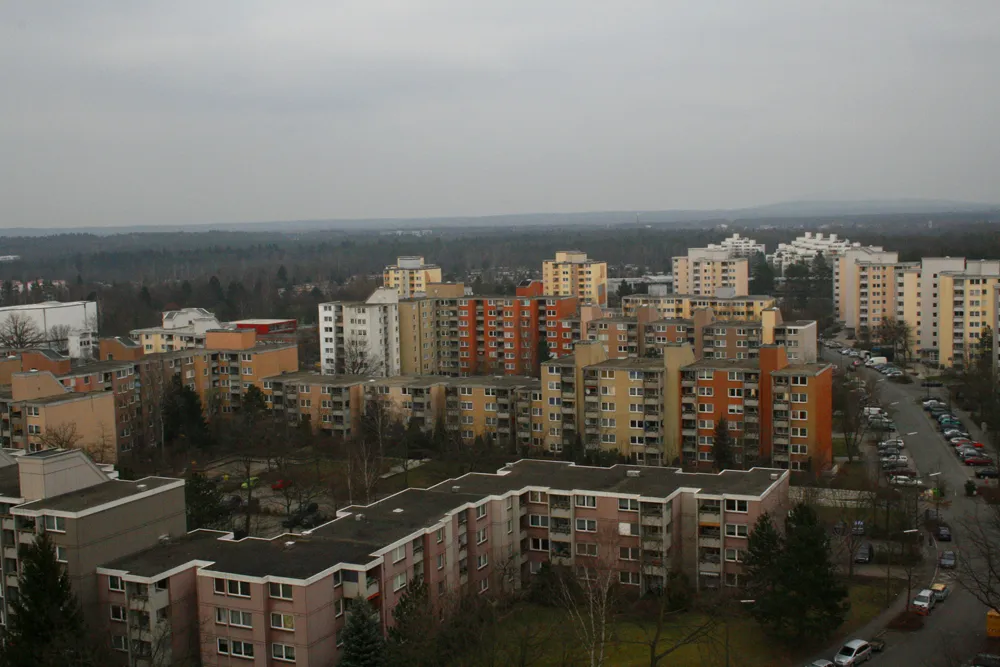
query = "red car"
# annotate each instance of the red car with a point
(281, 485)
(979, 460)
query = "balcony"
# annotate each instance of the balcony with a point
(780, 423)
(751, 401)
(713, 540)
(559, 505)
(561, 526)
(687, 383)
(709, 513)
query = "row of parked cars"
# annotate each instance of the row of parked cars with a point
(971, 452)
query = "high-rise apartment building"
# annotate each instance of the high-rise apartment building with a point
(724, 304)
(805, 248)
(739, 246)
(287, 600)
(90, 515)
(68, 327)
(967, 308)
(704, 270)
(180, 330)
(571, 273)
(776, 412)
(864, 280)
(361, 337)
(410, 276)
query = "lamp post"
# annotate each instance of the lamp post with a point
(937, 496)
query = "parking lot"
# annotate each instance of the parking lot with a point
(955, 629)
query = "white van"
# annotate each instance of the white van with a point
(875, 361)
(873, 412)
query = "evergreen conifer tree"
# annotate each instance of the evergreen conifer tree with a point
(364, 645)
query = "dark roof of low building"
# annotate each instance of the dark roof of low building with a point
(10, 481)
(97, 495)
(634, 363)
(723, 364)
(803, 369)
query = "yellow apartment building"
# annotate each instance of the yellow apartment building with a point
(410, 276)
(418, 337)
(571, 273)
(683, 306)
(418, 399)
(967, 307)
(705, 270)
(495, 407)
(331, 404)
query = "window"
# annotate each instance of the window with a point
(799, 380)
(586, 525)
(482, 560)
(399, 553)
(283, 652)
(586, 501)
(539, 544)
(222, 645)
(628, 505)
(538, 521)
(735, 555)
(281, 591)
(61, 554)
(629, 578)
(800, 415)
(240, 649)
(243, 619)
(481, 511)
(237, 588)
(338, 578)
(706, 391)
(799, 432)
(798, 449)
(117, 612)
(399, 581)
(706, 423)
(535, 497)
(586, 549)
(118, 643)
(338, 607)
(737, 505)
(55, 524)
(484, 585)
(116, 584)
(735, 409)
(628, 553)
(736, 530)
(282, 621)
(440, 561)
(735, 392)
(481, 535)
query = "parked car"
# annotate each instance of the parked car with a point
(853, 653)
(923, 602)
(888, 451)
(865, 553)
(985, 660)
(858, 528)
(987, 472)
(900, 472)
(947, 560)
(250, 483)
(978, 460)
(900, 480)
(281, 485)
(893, 442)
(941, 592)
(898, 459)
(943, 534)
(930, 403)
(955, 433)
(820, 663)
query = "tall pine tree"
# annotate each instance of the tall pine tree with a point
(795, 589)
(364, 645)
(45, 625)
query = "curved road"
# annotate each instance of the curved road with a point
(956, 629)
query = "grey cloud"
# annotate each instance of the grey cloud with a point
(146, 113)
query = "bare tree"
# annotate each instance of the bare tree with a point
(19, 332)
(665, 626)
(360, 359)
(364, 468)
(61, 436)
(979, 566)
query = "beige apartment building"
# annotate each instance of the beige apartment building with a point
(181, 330)
(410, 276)
(704, 270)
(91, 516)
(724, 304)
(865, 280)
(286, 600)
(571, 273)
(967, 307)
(331, 404)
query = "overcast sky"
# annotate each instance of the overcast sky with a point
(117, 113)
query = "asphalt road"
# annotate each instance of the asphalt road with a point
(956, 629)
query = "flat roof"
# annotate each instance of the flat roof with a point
(94, 496)
(496, 381)
(263, 321)
(314, 377)
(68, 397)
(409, 380)
(802, 369)
(10, 481)
(98, 367)
(360, 531)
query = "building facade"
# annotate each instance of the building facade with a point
(410, 276)
(572, 273)
(286, 600)
(361, 337)
(703, 271)
(68, 327)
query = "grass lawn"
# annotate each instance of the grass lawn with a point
(748, 645)
(839, 446)
(852, 476)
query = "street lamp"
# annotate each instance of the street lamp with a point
(937, 497)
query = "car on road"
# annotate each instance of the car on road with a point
(947, 560)
(250, 483)
(865, 553)
(987, 472)
(853, 653)
(941, 592)
(978, 460)
(943, 534)
(923, 602)
(900, 480)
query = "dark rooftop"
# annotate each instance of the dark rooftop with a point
(723, 363)
(94, 496)
(363, 530)
(10, 481)
(632, 363)
(98, 367)
(802, 369)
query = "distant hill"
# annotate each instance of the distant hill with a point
(791, 209)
